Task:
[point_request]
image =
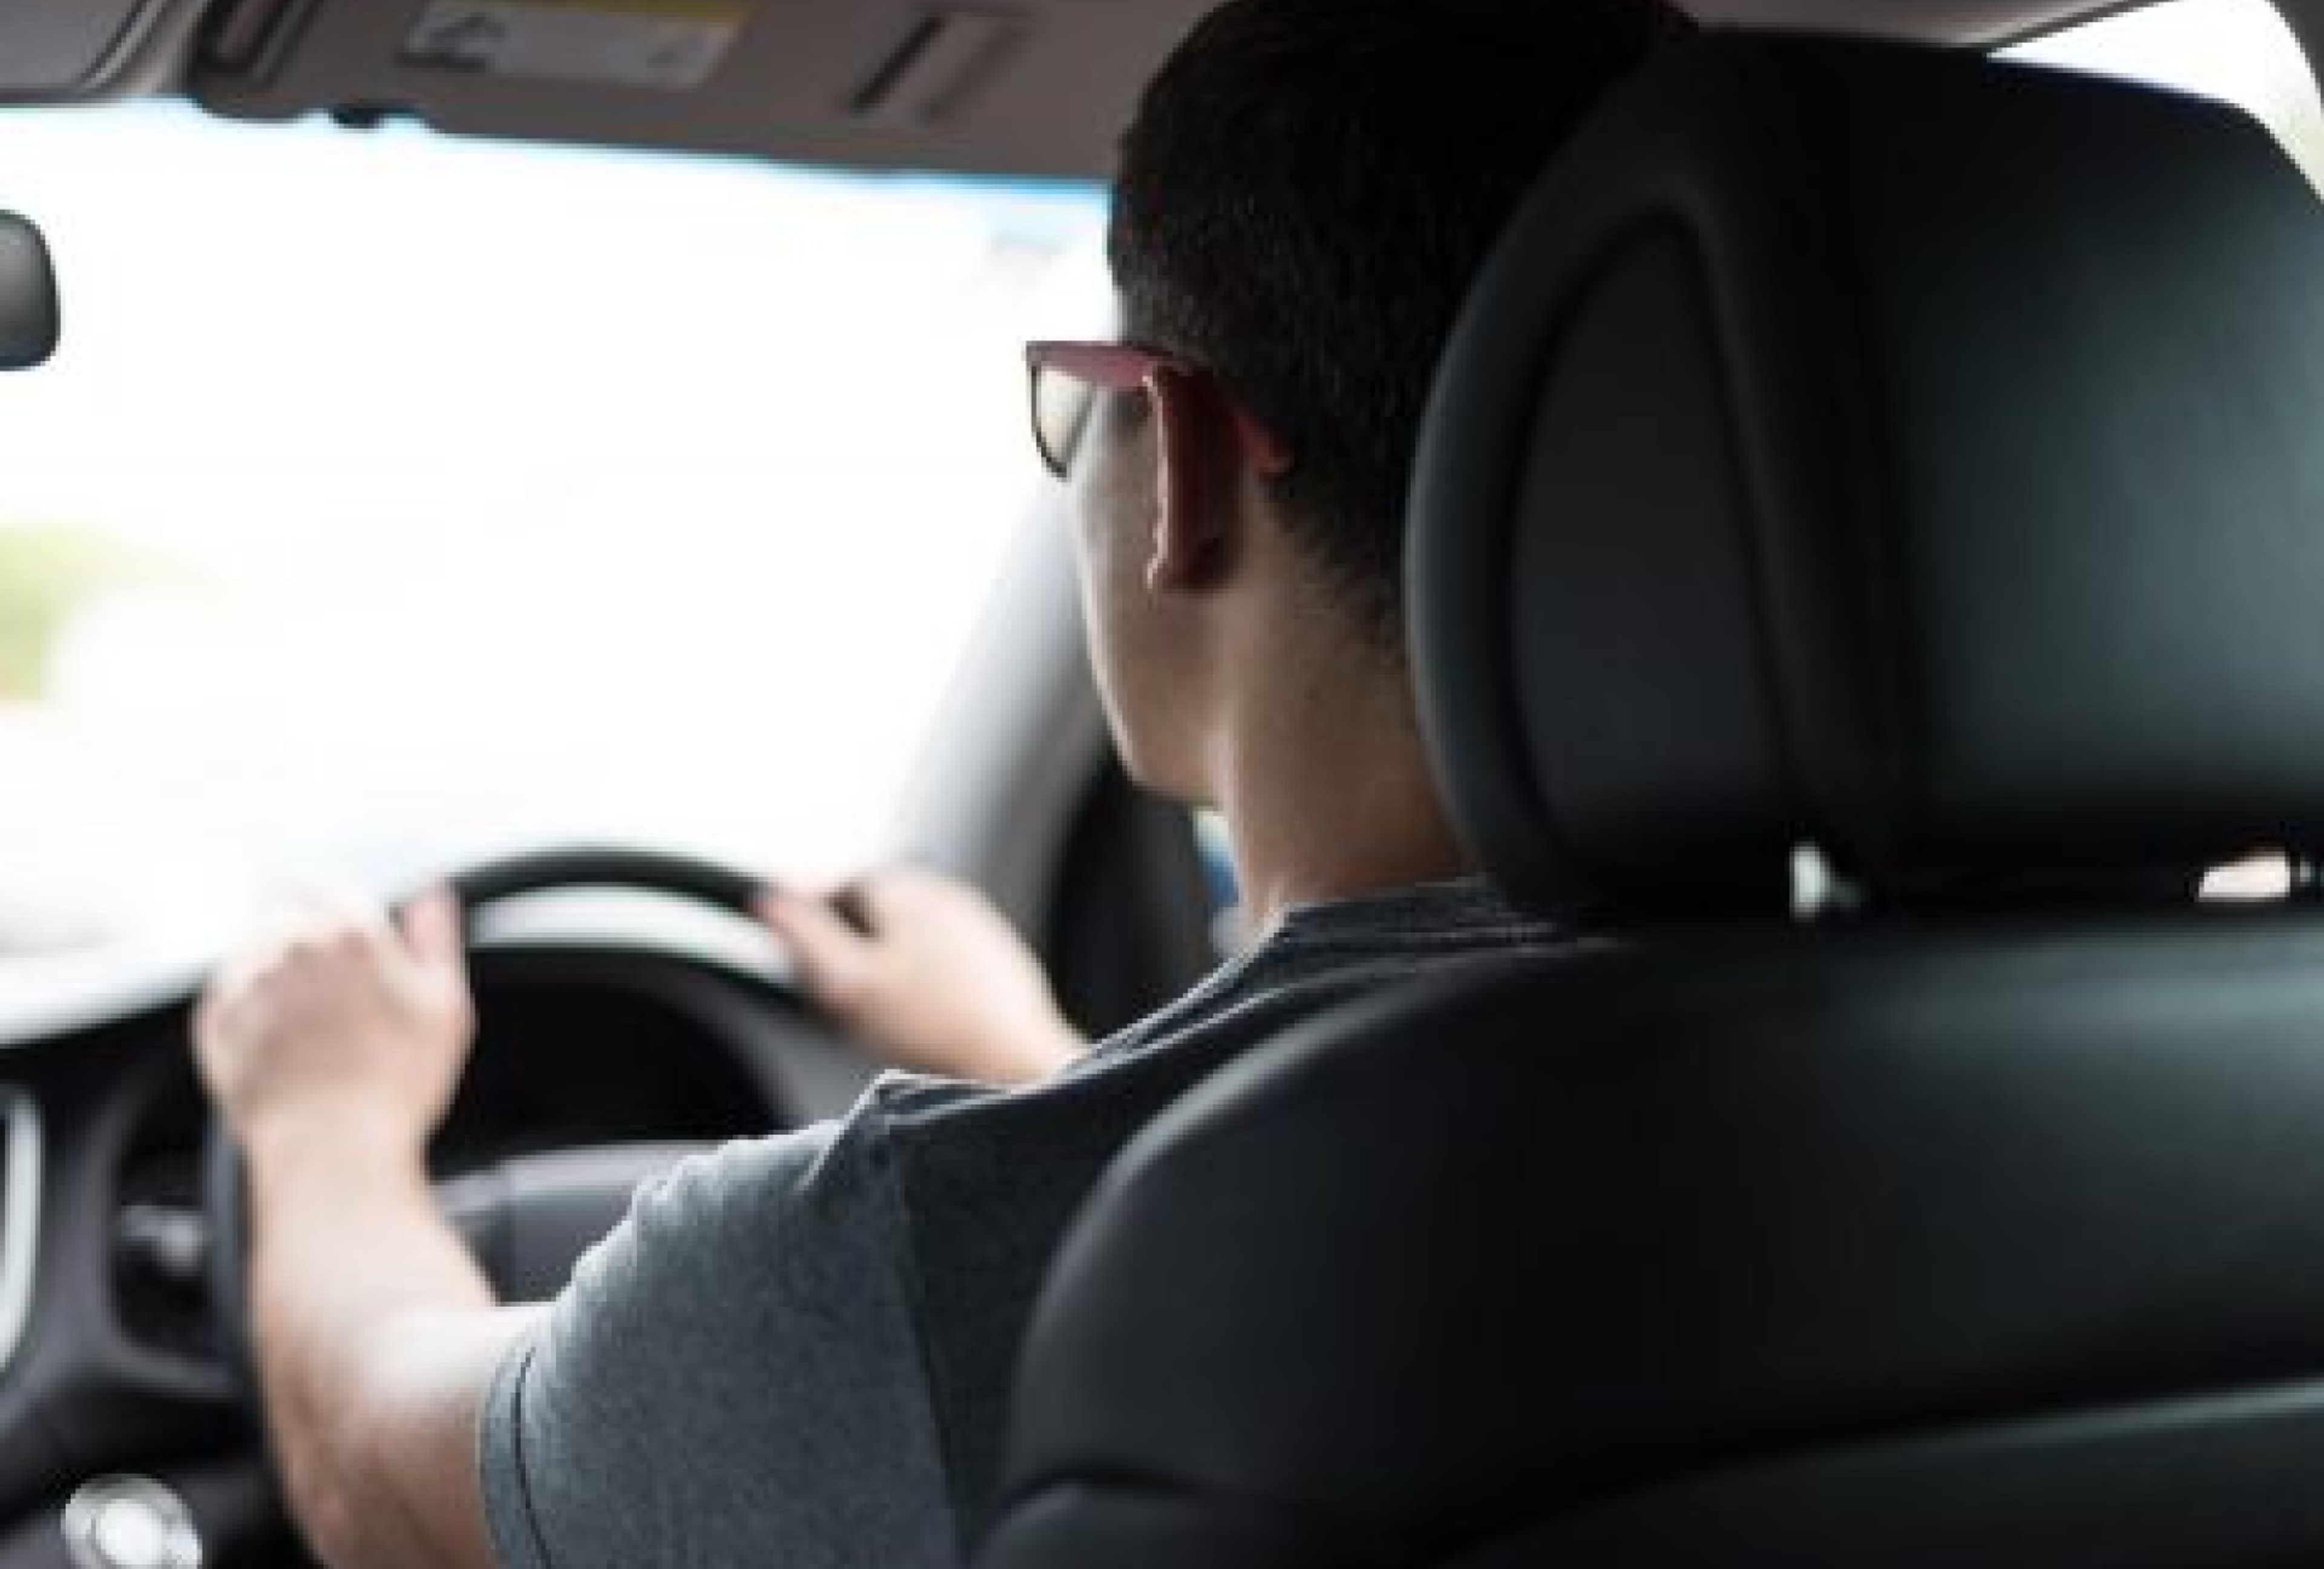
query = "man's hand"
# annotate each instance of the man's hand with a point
(937, 979)
(332, 1055)
(346, 1027)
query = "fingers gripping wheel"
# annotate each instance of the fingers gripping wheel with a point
(577, 1195)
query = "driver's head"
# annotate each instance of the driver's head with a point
(1305, 193)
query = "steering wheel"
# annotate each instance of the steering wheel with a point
(527, 1220)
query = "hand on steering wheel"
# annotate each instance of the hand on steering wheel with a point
(352, 1026)
(926, 971)
(527, 1220)
(920, 968)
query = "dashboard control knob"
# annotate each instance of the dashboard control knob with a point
(130, 1522)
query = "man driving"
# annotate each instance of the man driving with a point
(797, 1350)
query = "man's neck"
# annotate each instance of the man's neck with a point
(1328, 795)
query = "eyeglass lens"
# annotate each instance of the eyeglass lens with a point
(1061, 407)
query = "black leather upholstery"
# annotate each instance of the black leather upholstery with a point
(1484, 1264)
(28, 296)
(1896, 453)
(1890, 451)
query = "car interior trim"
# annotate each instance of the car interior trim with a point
(72, 51)
(20, 1223)
(1032, 91)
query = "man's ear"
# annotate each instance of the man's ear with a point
(1195, 519)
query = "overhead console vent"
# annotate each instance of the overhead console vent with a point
(246, 36)
(943, 60)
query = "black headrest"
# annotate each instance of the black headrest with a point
(28, 296)
(1904, 454)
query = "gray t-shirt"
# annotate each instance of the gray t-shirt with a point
(796, 1353)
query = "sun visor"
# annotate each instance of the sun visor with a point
(1039, 88)
(28, 296)
(70, 51)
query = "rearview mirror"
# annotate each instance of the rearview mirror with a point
(28, 296)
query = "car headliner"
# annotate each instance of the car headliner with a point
(1034, 89)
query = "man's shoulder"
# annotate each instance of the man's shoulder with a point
(1318, 958)
(717, 1202)
(988, 1181)
(1320, 955)
(757, 1298)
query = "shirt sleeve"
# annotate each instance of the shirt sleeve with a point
(734, 1377)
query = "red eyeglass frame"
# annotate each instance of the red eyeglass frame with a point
(1125, 368)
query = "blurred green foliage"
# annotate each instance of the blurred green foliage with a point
(48, 573)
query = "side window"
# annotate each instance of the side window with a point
(1129, 924)
(2241, 51)
(1231, 931)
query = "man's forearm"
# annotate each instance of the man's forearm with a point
(375, 1332)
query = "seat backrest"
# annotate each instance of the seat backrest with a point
(1891, 465)
(1866, 1251)
(28, 296)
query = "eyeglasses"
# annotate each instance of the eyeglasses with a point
(1065, 378)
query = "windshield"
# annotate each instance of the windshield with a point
(395, 498)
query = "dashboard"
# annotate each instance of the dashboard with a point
(115, 1390)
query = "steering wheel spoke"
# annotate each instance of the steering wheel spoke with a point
(529, 1220)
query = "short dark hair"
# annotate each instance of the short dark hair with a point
(1304, 195)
